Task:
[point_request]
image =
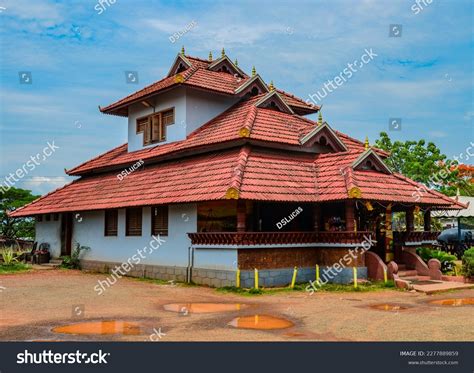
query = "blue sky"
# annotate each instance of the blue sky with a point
(77, 59)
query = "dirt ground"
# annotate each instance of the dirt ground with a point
(33, 303)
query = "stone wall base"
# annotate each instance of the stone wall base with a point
(220, 278)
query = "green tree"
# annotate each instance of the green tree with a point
(423, 162)
(10, 200)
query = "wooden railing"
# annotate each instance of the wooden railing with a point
(416, 236)
(277, 238)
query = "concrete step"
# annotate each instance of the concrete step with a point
(407, 273)
(56, 261)
(416, 278)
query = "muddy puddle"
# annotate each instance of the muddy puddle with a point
(261, 322)
(388, 307)
(185, 308)
(100, 328)
(454, 302)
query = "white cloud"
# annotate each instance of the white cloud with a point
(42, 184)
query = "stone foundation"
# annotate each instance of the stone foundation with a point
(282, 277)
(278, 277)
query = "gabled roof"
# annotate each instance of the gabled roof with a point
(273, 97)
(324, 128)
(224, 60)
(263, 125)
(244, 172)
(371, 156)
(199, 75)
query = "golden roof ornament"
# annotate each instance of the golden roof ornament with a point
(210, 56)
(254, 71)
(366, 143)
(320, 117)
(236, 63)
(271, 87)
(223, 52)
(182, 50)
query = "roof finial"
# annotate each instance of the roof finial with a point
(236, 63)
(271, 87)
(182, 50)
(223, 52)
(254, 71)
(320, 117)
(210, 55)
(366, 143)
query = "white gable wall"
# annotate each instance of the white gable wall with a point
(49, 232)
(192, 109)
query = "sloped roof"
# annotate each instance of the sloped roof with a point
(263, 124)
(248, 172)
(198, 76)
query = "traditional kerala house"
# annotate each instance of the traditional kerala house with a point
(229, 172)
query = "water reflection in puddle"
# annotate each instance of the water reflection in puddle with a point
(455, 302)
(388, 307)
(100, 328)
(203, 307)
(262, 322)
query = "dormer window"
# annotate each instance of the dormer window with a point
(154, 126)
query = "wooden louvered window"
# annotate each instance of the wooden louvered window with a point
(39, 218)
(154, 126)
(159, 220)
(111, 223)
(133, 222)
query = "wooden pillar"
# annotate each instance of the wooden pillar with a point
(350, 216)
(241, 215)
(427, 221)
(389, 254)
(316, 217)
(410, 219)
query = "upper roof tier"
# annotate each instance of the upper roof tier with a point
(220, 76)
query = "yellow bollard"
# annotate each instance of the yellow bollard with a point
(256, 278)
(293, 280)
(237, 278)
(455, 270)
(385, 275)
(355, 277)
(317, 274)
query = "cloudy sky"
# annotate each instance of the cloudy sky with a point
(75, 54)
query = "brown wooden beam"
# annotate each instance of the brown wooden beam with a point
(427, 221)
(350, 216)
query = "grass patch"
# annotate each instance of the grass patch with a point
(13, 268)
(163, 282)
(371, 286)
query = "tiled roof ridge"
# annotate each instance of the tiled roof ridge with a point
(246, 129)
(238, 173)
(304, 104)
(349, 180)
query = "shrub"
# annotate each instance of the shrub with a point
(446, 259)
(468, 263)
(73, 261)
(9, 256)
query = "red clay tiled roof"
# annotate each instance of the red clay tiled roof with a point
(197, 76)
(256, 175)
(264, 125)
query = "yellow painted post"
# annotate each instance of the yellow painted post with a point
(355, 277)
(317, 274)
(256, 279)
(385, 275)
(455, 270)
(237, 278)
(293, 280)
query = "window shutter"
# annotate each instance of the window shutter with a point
(159, 221)
(134, 221)
(111, 222)
(141, 124)
(156, 132)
